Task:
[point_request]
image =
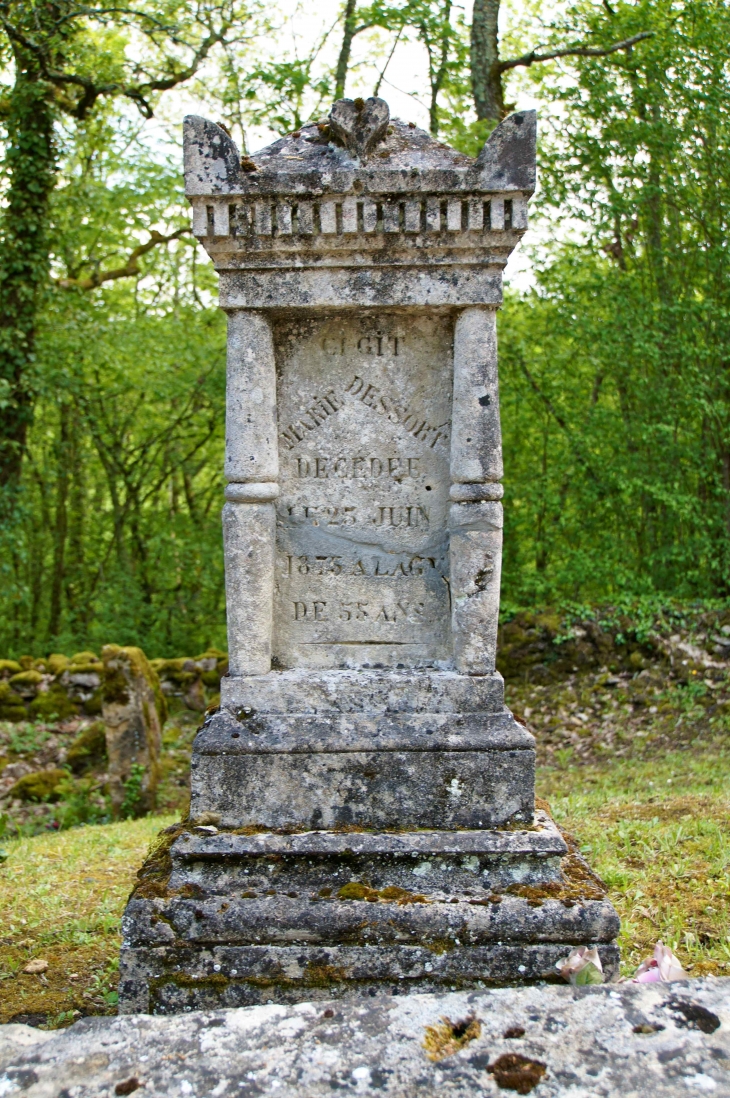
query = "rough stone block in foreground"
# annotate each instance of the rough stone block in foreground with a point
(625, 1041)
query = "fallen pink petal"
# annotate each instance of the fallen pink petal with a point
(663, 967)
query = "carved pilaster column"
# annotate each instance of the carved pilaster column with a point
(476, 514)
(252, 471)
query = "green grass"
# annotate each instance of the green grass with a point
(658, 832)
(61, 899)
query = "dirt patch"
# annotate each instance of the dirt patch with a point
(512, 1071)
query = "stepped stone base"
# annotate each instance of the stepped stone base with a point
(224, 919)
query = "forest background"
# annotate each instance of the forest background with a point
(614, 338)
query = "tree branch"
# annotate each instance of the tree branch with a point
(534, 57)
(130, 268)
(92, 91)
(552, 410)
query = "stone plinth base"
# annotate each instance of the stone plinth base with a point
(374, 749)
(227, 919)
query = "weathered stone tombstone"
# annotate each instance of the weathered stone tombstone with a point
(362, 812)
(134, 712)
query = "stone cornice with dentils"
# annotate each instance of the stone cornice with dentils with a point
(308, 199)
(442, 229)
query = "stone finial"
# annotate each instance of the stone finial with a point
(507, 160)
(359, 124)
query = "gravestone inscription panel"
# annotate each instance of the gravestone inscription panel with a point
(362, 574)
(362, 803)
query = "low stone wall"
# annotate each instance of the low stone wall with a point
(116, 706)
(59, 687)
(617, 1041)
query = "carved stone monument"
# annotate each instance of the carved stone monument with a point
(362, 812)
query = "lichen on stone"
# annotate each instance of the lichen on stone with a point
(447, 1037)
(357, 890)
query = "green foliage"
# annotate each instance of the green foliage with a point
(615, 391)
(124, 467)
(132, 792)
(80, 802)
(63, 63)
(284, 95)
(616, 400)
(27, 738)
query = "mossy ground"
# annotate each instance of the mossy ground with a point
(61, 899)
(657, 830)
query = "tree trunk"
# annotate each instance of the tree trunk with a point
(486, 78)
(30, 166)
(437, 77)
(61, 526)
(343, 61)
